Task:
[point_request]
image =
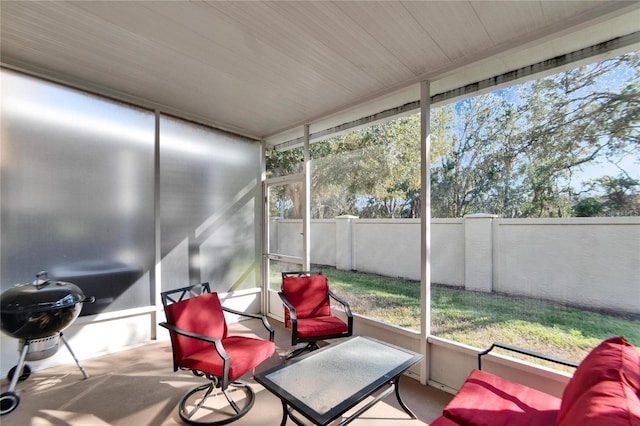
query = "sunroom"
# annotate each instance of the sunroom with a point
(135, 138)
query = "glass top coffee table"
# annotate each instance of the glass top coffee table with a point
(328, 382)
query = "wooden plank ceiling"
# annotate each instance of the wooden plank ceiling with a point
(257, 68)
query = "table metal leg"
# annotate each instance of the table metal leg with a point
(288, 411)
(406, 409)
(368, 405)
(285, 413)
(393, 386)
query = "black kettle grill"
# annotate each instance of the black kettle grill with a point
(36, 314)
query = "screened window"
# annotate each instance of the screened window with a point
(534, 202)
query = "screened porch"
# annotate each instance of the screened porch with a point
(135, 138)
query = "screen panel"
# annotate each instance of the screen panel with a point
(77, 192)
(209, 209)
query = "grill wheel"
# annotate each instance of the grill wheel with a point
(26, 372)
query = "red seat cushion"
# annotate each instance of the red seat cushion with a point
(321, 326)
(245, 353)
(486, 399)
(309, 295)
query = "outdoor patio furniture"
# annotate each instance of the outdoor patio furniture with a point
(307, 310)
(604, 390)
(200, 343)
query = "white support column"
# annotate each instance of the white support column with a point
(156, 274)
(306, 210)
(264, 230)
(425, 226)
(478, 252)
(344, 242)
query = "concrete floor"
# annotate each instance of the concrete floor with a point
(138, 387)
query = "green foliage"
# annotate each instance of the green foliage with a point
(588, 207)
(619, 197)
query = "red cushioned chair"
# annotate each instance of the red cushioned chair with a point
(307, 310)
(201, 343)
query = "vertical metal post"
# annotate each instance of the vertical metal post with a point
(425, 226)
(264, 230)
(156, 272)
(306, 211)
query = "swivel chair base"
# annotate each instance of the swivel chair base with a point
(216, 414)
(311, 346)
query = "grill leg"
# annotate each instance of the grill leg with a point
(64, 340)
(19, 366)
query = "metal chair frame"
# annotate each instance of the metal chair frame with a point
(524, 351)
(216, 382)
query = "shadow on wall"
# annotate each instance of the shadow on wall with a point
(105, 280)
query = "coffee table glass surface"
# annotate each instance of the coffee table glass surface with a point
(328, 382)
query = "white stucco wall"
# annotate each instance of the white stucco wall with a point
(377, 241)
(447, 251)
(593, 262)
(323, 249)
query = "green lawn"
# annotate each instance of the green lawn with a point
(479, 319)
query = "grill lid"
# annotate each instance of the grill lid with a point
(40, 296)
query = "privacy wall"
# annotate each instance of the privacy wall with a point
(588, 262)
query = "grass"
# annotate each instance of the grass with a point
(479, 319)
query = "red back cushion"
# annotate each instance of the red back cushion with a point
(608, 403)
(614, 360)
(202, 315)
(309, 295)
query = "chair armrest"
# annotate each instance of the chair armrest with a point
(343, 302)
(524, 352)
(264, 320)
(289, 306)
(216, 342)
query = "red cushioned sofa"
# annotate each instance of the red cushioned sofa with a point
(604, 390)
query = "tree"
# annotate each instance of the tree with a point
(588, 207)
(285, 201)
(371, 172)
(481, 170)
(575, 118)
(620, 197)
(515, 153)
